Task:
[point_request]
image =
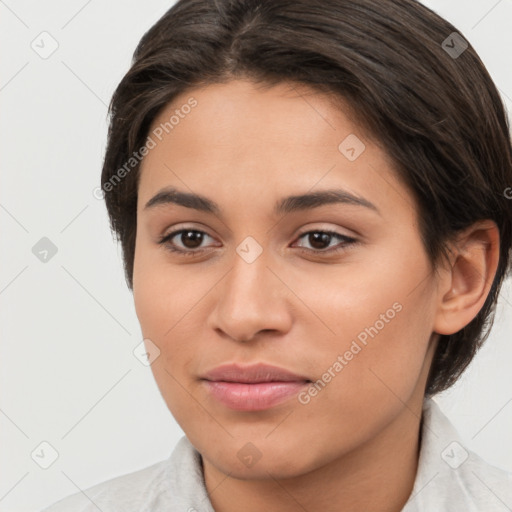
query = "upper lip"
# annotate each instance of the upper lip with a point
(253, 373)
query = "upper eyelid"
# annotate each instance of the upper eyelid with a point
(175, 231)
(179, 230)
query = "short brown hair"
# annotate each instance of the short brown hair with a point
(416, 85)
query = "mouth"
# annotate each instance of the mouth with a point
(252, 388)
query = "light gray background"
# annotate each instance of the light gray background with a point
(68, 326)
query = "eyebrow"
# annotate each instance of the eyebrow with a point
(170, 195)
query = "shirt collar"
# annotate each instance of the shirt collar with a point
(449, 476)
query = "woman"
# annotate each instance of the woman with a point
(312, 203)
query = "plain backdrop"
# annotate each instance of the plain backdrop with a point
(68, 326)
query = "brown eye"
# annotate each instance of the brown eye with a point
(191, 239)
(320, 241)
(188, 241)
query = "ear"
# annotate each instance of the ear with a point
(464, 286)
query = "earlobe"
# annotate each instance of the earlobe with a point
(469, 280)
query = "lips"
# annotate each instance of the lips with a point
(252, 388)
(252, 374)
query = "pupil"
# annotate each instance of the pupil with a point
(195, 235)
(322, 238)
(317, 240)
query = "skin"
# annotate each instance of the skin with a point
(356, 442)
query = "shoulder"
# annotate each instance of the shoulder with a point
(156, 487)
(450, 476)
(489, 487)
(125, 492)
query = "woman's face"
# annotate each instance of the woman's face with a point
(352, 311)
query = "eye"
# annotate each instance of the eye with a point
(191, 240)
(319, 239)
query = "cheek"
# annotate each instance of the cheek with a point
(164, 309)
(159, 317)
(386, 358)
(161, 292)
(381, 364)
(380, 322)
(166, 299)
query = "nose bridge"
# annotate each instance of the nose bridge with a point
(249, 299)
(249, 277)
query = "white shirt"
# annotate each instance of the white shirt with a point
(450, 478)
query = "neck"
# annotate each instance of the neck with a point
(379, 476)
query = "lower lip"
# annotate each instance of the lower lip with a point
(253, 397)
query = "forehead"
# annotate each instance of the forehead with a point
(286, 114)
(251, 141)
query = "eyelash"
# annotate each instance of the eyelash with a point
(165, 240)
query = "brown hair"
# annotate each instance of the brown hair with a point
(417, 88)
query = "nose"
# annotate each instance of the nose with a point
(252, 298)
